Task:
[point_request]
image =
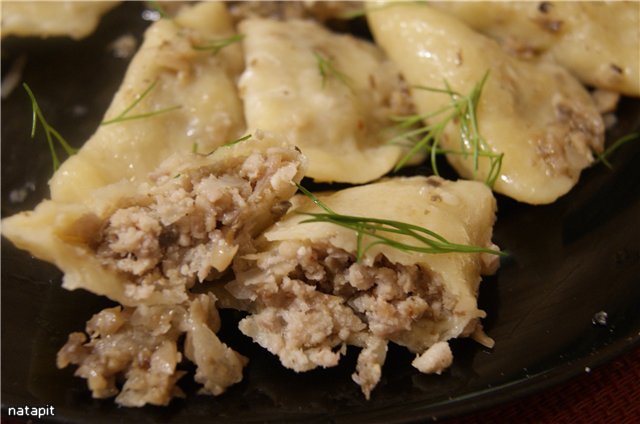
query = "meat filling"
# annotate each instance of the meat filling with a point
(140, 345)
(189, 224)
(310, 301)
(386, 296)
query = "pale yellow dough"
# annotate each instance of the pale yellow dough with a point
(340, 121)
(201, 84)
(75, 19)
(535, 113)
(598, 41)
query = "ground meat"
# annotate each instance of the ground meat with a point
(387, 296)
(188, 225)
(140, 345)
(369, 366)
(310, 300)
(137, 344)
(304, 327)
(569, 140)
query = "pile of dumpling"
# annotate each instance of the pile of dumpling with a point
(195, 207)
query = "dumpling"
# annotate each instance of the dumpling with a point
(331, 95)
(149, 242)
(598, 41)
(309, 296)
(534, 113)
(195, 87)
(75, 19)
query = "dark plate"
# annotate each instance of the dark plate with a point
(568, 261)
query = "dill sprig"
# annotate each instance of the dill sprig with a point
(237, 140)
(461, 110)
(124, 116)
(379, 229)
(603, 157)
(327, 69)
(49, 131)
(216, 45)
(229, 143)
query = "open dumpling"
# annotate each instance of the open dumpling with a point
(148, 242)
(309, 296)
(536, 114)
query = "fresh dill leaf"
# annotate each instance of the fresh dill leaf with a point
(461, 110)
(327, 70)
(49, 131)
(236, 141)
(216, 45)
(123, 116)
(313, 198)
(379, 230)
(603, 157)
(231, 143)
(194, 148)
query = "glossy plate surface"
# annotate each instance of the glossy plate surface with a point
(568, 261)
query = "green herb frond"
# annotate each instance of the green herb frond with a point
(462, 110)
(215, 46)
(237, 140)
(603, 157)
(230, 143)
(49, 131)
(124, 115)
(327, 70)
(378, 230)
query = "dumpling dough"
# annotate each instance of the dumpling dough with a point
(536, 114)
(309, 297)
(75, 19)
(149, 242)
(598, 41)
(341, 121)
(200, 83)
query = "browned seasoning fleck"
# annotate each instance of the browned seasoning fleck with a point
(544, 7)
(616, 68)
